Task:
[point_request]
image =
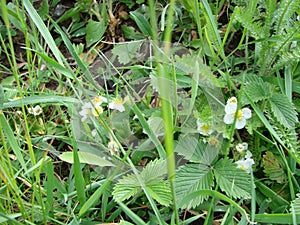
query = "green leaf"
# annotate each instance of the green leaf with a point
(234, 181)
(272, 167)
(44, 10)
(161, 192)
(126, 187)
(295, 206)
(126, 52)
(53, 99)
(94, 31)
(191, 178)
(85, 157)
(283, 110)
(152, 176)
(43, 30)
(157, 125)
(256, 88)
(142, 23)
(195, 150)
(280, 218)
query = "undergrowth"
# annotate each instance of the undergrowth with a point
(148, 112)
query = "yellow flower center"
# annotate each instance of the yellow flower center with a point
(205, 127)
(118, 101)
(240, 115)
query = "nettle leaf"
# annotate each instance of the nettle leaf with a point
(273, 168)
(191, 178)
(153, 177)
(283, 110)
(232, 180)
(195, 150)
(126, 52)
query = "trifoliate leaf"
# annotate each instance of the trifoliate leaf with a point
(191, 178)
(283, 110)
(152, 177)
(234, 181)
(272, 167)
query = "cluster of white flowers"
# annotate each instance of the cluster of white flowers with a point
(231, 110)
(246, 163)
(94, 108)
(37, 110)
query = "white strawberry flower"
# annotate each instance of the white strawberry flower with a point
(246, 163)
(98, 100)
(241, 147)
(204, 128)
(117, 104)
(37, 110)
(231, 111)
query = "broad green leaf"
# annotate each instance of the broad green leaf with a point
(142, 23)
(126, 187)
(273, 168)
(126, 53)
(152, 176)
(154, 169)
(161, 192)
(196, 150)
(190, 178)
(283, 110)
(157, 125)
(94, 31)
(256, 88)
(85, 157)
(232, 180)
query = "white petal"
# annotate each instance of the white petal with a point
(232, 100)
(240, 147)
(230, 108)
(87, 105)
(245, 144)
(229, 118)
(248, 155)
(246, 113)
(240, 123)
(116, 106)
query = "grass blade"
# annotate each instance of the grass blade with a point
(43, 30)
